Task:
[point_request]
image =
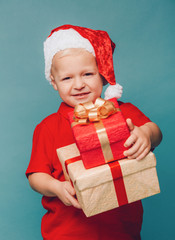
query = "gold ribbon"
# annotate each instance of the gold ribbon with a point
(85, 113)
(89, 112)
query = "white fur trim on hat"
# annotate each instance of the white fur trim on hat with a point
(62, 40)
(113, 91)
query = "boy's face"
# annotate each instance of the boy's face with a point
(76, 77)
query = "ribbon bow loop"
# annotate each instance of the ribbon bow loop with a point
(84, 113)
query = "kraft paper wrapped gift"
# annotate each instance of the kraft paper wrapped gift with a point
(109, 186)
(102, 141)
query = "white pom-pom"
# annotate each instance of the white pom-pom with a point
(113, 91)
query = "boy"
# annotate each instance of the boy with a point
(78, 62)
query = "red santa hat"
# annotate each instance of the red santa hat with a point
(96, 42)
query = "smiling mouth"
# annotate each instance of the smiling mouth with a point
(81, 94)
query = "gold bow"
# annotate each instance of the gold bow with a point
(85, 113)
(89, 112)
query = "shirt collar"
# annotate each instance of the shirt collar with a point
(64, 109)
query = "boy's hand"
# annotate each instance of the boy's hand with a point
(67, 194)
(139, 140)
(51, 187)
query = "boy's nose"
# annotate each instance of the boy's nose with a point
(78, 83)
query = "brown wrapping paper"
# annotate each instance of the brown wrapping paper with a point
(95, 188)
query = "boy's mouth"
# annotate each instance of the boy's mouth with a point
(79, 95)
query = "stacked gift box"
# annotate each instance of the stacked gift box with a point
(95, 164)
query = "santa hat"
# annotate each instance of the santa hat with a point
(96, 42)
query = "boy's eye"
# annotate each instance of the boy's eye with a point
(66, 78)
(88, 74)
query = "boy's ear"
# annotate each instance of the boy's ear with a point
(53, 82)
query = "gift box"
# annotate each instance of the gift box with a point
(111, 185)
(101, 140)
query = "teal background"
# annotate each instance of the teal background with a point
(144, 33)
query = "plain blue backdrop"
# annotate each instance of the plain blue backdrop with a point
(144, 33)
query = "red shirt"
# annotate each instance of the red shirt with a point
(63, 222)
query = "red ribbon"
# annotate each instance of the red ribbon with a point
(117, 179)
(71, 160)
(118, 183)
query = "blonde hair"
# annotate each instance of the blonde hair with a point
(69, 51)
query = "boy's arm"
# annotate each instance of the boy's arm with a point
(51, 187)
(142, 139)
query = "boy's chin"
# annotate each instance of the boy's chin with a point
(75, 102)
(85, 101)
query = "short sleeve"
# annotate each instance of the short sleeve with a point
(131, 111)
(42, 150)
